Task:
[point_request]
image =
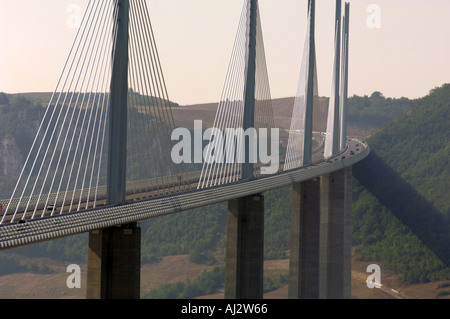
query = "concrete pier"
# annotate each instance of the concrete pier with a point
(335, 235)
(114, 263)
(304, 242)
(245, 248)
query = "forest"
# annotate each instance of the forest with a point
(401, 205)
(376, 110)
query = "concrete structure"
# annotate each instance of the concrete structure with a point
(245, 248)
(304, 242)
(344, 78)
(320, 261)
(305, 209)
(245, 227)
(308, 120)
(114, 263)
(250, 82)
(117, 151)
(320, 246)
(115, 253)
(335, 235)
(332, 140)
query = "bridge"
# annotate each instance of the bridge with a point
(105, 157)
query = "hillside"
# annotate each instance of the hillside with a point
(402, 196)
(398, 236)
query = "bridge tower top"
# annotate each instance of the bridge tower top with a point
(116, 177)
(250, 80)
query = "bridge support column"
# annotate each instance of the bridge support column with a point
(114, 263)
(245, 248)
(336, 235)
(304, 243)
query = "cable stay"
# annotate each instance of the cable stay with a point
(224, 154)
(66, 168)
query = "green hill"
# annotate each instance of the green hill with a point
(402, 195)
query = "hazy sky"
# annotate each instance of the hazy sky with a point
(402, 51)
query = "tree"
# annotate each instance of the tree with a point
(4, 99)
(377, 94)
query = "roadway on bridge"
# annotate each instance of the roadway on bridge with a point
(18, 234)
(55, 204)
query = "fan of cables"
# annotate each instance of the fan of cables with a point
(222, 162)
(66, 167)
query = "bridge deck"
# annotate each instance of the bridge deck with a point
(47, 228)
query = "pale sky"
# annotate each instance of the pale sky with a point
(404, 51)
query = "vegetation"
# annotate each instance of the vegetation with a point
(20, 118)
(444, 285)
(405, 228)
(277, 223)
(4, 99)
(273, 283)
(71, 249)
(376, 110)
(402, 194)
(443, 293)
(207, 283)
(198, 233)
(10, 264)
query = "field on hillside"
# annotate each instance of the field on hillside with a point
(172, 269)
